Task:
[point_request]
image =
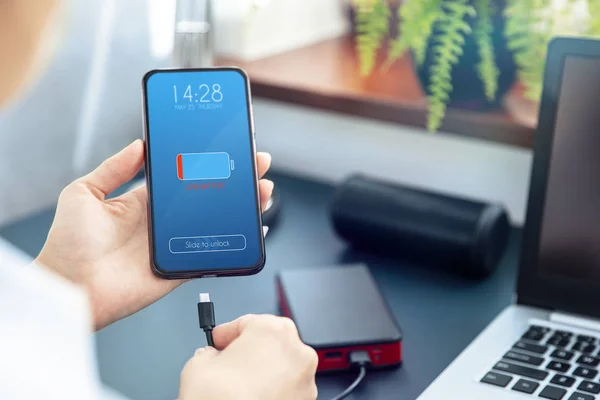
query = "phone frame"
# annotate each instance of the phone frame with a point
(204, 273)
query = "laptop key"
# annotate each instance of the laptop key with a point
(563, 380)
(585, 338)
(558, 341)
(562, 354)
(538, 328)
(584, 347)
(524, 358)
(589, 349)
(558, 366)
(563, 334)
(581, 396)
(589, 373)
(525, 386)
(497, 379)
(552, 393)
(521, 370)
(590, 387)
(530, 347)
(588, 360)
(535, 336)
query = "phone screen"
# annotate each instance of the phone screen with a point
(201, 167)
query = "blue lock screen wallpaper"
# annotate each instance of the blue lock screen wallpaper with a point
(203, 193)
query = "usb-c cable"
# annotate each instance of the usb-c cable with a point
(358, 360)
(206, 316)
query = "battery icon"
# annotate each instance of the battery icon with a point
(199, 166)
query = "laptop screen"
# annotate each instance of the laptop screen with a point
(570, 229)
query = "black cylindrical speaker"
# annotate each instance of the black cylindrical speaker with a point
(467, 237)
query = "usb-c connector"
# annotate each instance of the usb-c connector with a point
(206, 316)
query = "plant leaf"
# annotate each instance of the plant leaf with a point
(528, 33)
(487, 68)
(416, 19)
(447, 49)
(372, 25)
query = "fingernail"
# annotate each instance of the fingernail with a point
(136, 142)
(199, 351)
(270, 184)
(266, 155)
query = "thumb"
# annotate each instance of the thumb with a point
(116, 170)
(226, 333)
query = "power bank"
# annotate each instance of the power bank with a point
(339, 310)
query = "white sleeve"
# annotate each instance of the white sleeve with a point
(45, 335)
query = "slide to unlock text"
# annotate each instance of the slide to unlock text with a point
(202, 244)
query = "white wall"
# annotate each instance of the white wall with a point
(329, 146)
(253, 29)
(83, 107)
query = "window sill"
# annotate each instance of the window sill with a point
(325, 76)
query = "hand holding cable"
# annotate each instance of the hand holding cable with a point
(258, 356)
(268, 347)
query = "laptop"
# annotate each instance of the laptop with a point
(547, 345)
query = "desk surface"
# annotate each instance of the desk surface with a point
(440, 314)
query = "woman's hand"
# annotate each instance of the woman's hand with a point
(103, 244)
(262, 358)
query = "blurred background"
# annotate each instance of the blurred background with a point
(412, 92)
(339, 97)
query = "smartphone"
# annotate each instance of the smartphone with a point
(203, 199)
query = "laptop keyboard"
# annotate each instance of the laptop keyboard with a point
(550, 364)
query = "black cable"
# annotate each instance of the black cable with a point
(209, 338)
(206, 316)
(361, 360)
(354, 385)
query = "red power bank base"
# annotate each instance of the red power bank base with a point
(339, 310)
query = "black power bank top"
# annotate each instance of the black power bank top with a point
(339, 310)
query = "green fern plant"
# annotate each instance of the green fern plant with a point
(372, 27)
(443, 25)
(486, 69)
(527, 43)
(594, 9)
(418, 19)
(447, 49)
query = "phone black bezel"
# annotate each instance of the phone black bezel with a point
(189, 274)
